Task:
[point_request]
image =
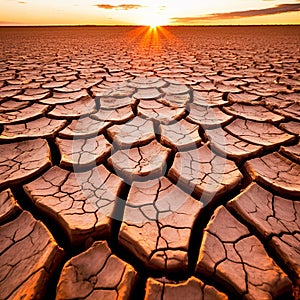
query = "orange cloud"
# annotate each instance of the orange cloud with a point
(278, 9)
(119, 7)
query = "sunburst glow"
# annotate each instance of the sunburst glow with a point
(154, 20)
(153, 25)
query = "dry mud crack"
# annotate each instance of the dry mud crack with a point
(139, 164)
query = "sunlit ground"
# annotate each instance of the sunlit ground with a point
(222, 77)
(152, 38)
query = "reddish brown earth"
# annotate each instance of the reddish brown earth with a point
(140, 164)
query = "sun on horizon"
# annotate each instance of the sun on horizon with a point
(154, 19)
(154, 24)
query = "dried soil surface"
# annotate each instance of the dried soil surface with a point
(150, 164)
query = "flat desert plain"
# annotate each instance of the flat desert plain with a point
(150, 163)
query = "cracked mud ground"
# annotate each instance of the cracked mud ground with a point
(138, 164)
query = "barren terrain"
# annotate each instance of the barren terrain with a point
(150, 164)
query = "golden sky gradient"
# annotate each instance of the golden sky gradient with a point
(148, 12)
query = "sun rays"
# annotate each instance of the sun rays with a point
(151, 38)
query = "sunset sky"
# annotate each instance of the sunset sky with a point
(148, 12)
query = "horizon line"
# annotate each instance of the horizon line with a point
(136, 25)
